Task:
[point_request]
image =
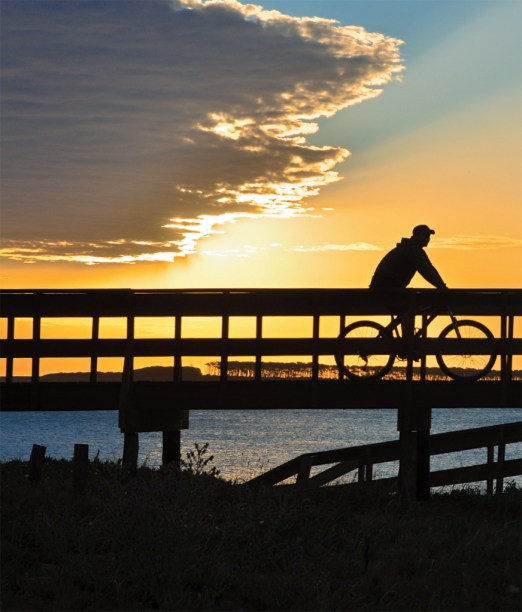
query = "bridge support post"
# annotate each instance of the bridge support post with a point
(131, 446)
(172, 449)
(414, 437)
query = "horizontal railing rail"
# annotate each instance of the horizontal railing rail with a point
(251, 302)
(239, 347)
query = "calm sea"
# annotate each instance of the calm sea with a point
(244, 442)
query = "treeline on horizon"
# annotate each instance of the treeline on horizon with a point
(239, 370)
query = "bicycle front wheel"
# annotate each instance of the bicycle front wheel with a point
(358, 364)
(464, 366)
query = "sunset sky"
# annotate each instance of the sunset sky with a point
(192, 143)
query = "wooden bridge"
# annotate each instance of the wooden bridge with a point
(164, 405)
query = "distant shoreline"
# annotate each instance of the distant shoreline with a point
(244, 370)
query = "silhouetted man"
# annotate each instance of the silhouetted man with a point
(399, 266)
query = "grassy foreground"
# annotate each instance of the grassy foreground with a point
(196, 542)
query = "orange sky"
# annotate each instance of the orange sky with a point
(443, 146)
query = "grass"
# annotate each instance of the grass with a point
(196, 542)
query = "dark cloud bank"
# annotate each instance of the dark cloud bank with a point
(131, 130)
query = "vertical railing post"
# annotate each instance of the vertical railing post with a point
(342, 325)
(35, 362)
(303, 473)
(130, 348)
(315, 356)
(506, 360)
(94, 357)
(510, 335)
(408, 330)
(360, 471)
(490, 462)
(223, 369)
(503, 357)
(501, 456)
(259, 335)
(9, 361)
(365, 469)
(178, 364)
(423, 356)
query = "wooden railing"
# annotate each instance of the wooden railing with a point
(227, 305)
(164, 405)
(364, 458)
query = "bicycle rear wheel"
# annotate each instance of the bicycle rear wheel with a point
(464, 366)
(358, 364)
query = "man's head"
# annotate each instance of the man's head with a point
(422, 234)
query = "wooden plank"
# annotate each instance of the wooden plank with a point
(277, 474)
(453, 476)
(258, 395)
(332, 473)
(478, 437)
(474, 473)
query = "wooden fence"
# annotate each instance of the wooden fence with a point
(364, 458)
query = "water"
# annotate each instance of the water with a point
(244, 442)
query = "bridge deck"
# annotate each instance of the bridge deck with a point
(272, 394)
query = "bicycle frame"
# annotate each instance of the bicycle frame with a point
(397, 320)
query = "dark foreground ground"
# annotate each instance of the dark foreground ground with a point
(198, 543)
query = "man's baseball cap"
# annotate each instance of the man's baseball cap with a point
(423, 230)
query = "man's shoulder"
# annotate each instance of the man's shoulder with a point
(406, 246)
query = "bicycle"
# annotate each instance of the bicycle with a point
(359, 365)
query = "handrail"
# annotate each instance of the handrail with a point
(221, 302)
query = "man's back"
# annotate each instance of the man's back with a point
(399, 266)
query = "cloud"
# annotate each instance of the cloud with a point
(352, 246)
(468, 243)
(132, 130)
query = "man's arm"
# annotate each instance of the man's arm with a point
(428, 271)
